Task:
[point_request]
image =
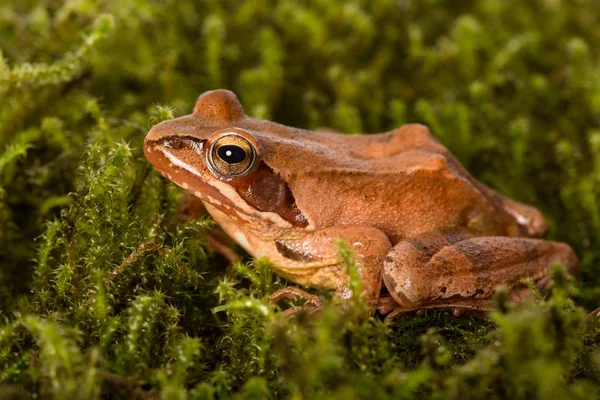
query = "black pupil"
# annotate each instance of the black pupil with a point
(231, 154)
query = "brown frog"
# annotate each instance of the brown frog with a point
(416, 220)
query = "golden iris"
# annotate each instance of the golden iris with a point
(231, 155)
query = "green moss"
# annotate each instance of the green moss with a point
(105, 293)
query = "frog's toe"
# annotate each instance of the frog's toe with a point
(397, 313)
(458, 311)
(296, 310)
(292, 293)
(384, 305)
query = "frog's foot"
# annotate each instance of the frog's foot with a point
(314, 303)
(457, 311)
(466, 307)
(388, 306)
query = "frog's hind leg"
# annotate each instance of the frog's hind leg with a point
(462, 273)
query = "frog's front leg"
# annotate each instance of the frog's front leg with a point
(314, 261)
(191, 207)
(461, 272)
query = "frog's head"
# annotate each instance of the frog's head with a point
(214, 154)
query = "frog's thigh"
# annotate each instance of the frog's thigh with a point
(466, 272)
(369, 245)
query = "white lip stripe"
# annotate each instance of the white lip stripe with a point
(181, 164)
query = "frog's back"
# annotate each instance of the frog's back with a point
(289, 149)
(403, 181)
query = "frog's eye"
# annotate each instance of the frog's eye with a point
(231, 155)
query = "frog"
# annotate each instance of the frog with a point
(424, 233)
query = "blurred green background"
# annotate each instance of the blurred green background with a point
(104, 294)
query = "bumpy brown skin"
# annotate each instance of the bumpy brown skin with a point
(415, 218)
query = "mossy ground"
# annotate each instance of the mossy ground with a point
(105, 295)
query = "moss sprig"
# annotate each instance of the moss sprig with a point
(60, 71)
